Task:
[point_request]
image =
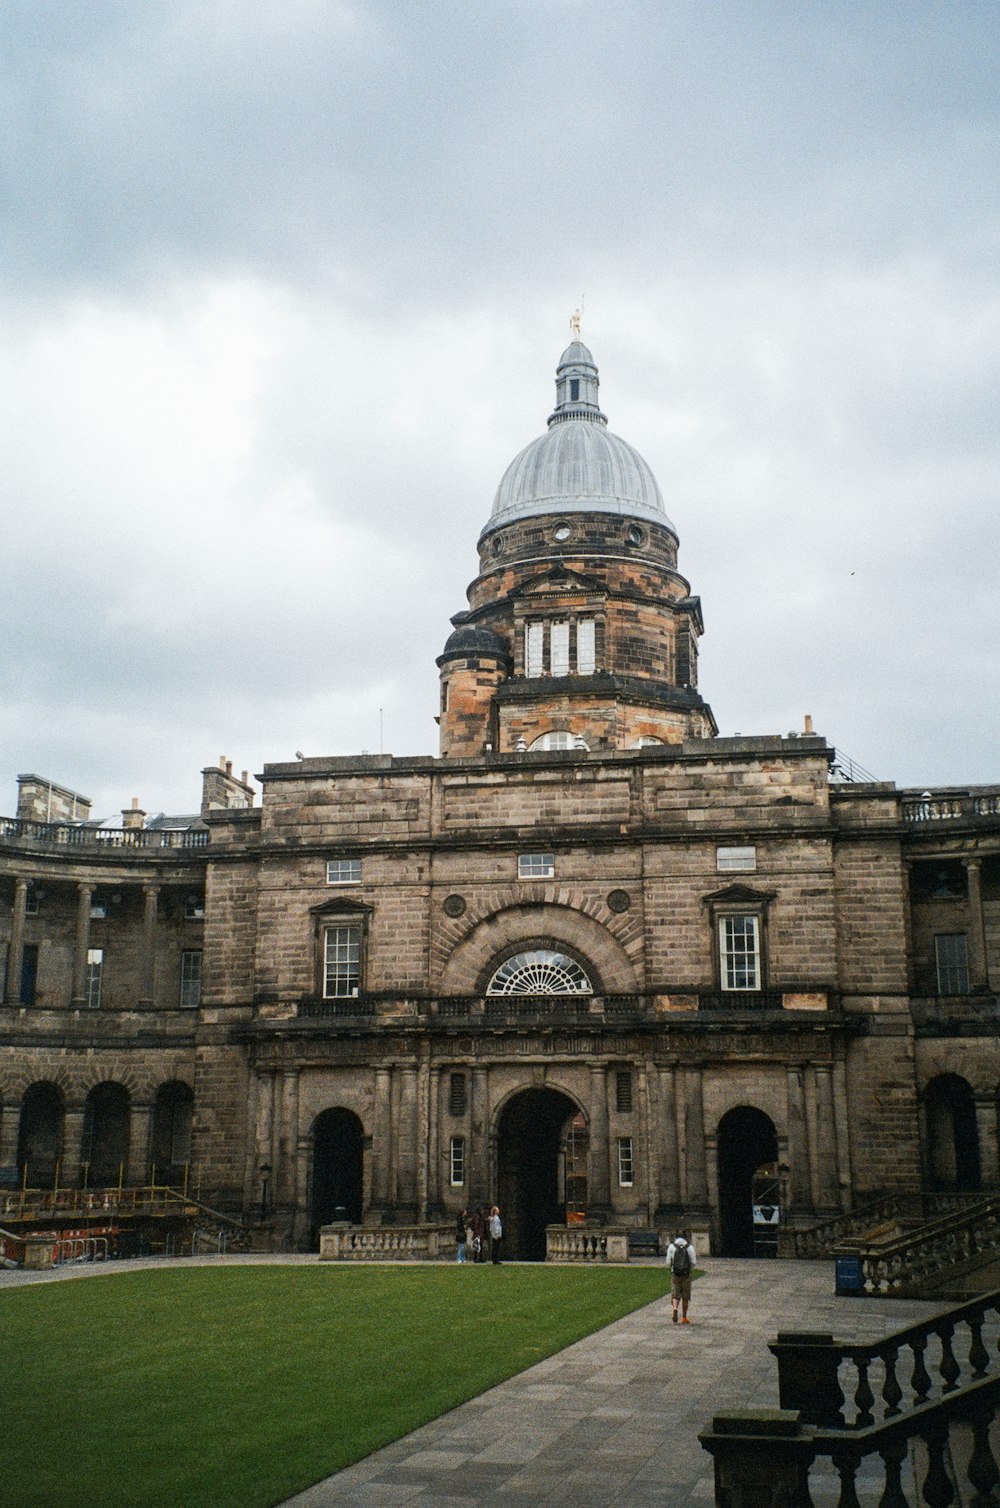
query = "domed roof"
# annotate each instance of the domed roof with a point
(578, 465)
(473, 639)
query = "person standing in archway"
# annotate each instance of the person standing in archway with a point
(681, 1259)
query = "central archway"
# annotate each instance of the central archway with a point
(338, 1160)
(535, 1176)
(748, 1143)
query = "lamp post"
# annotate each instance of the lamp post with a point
(265, 1179)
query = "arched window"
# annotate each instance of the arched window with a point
(540, 971)
(560, 738)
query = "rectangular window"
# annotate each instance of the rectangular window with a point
(534, 648)
(744, 859)
(456, 1094)
(341, 962)
(343, 871)
(739, 952)
(191, 977)
(559, 648)
(951, 955)
(31, 901)
(625, 1162)
(194, 908)
(457, 1160)
(536, 866)
(95, 973)
(623, 1093)
(29, 973)
(98, 911)
(586, 650)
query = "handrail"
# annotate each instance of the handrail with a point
(830, 1410)
(903, 1265)
(820, 1240)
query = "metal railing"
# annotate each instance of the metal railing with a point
(924, 1401)
(72, 835)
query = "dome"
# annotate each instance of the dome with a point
(578, 465)
(470, 639)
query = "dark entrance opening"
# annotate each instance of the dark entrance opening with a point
(104, 1150)
(534, 1130)
(338, 1157)
(170, 1144)
(40, 1135)
(952, 1133)
(748, 1143)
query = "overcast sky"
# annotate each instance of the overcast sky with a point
(284, 283)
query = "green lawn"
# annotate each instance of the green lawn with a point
(208, 1387)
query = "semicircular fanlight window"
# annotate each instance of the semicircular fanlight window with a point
(539, 972)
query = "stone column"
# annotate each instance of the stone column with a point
(70, 1166)
(261, 1148)
(137, 1170)
(479, 1141)
(799, 1191)
(670, 1188)
(286, 1172)
(10, 1125)
(986, 1125)
(381, 1140)
(696, 1193)
(433, 1112)
(81, 944)
(845, 1172)
(978, 962)
(826, 1139)
(647, 1166)
(598, 1179)
(15, 950)
(151, 893)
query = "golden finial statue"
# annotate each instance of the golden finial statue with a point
(574, 322)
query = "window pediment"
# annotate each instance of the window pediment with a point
(557, 580)
(341, 905)
(739, 895)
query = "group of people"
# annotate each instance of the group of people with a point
(478, 1233)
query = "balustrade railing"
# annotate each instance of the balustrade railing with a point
(923, 1400)
(947, 806)
(72, 835)
(822, 1239)
(741, 1000)
(578, 1243)
(914, 1261)
(349, 1006)
(389, 1243)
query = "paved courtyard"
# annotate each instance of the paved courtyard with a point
(614, 1419)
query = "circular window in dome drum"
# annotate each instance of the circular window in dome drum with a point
(635, 536)
(541, 971)
(563, 532)
(497, 546)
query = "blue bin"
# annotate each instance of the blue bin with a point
(848, 1277)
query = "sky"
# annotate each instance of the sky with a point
(283, 286)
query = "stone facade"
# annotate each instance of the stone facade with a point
(719, 957)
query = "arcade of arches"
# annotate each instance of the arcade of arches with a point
(105, 1140)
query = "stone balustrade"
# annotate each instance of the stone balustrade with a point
(342, 1242)
(910, 1264)
(17, 830)
(948, 806)
(580, 1243)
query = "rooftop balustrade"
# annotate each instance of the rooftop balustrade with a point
(931, 807)
(15, 830)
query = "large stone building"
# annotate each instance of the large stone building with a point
(593, 961)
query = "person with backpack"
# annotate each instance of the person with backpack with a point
(681, 1259)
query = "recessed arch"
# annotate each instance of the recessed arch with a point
(747, 1145)
(337, 1168)
(170, 1141)
(952, 1133)
(40, 1134)
(538, 970)
(106, 1126)
(563, 928)
(542, 1140)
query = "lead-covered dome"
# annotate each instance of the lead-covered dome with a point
(578, 465)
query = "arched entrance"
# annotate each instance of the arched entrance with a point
(338, 1156)
(542, 1146)
(748, 1143)
(40, 1135)
(952, 1133)
(170, 1141)
(104, 1149)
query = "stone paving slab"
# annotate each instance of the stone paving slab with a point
(615, 1418)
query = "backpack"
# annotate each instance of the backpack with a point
(681, 1265)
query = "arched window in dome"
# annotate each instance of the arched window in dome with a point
(539, 971)
(560, 738)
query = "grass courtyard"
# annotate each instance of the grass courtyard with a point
(216, 1386)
